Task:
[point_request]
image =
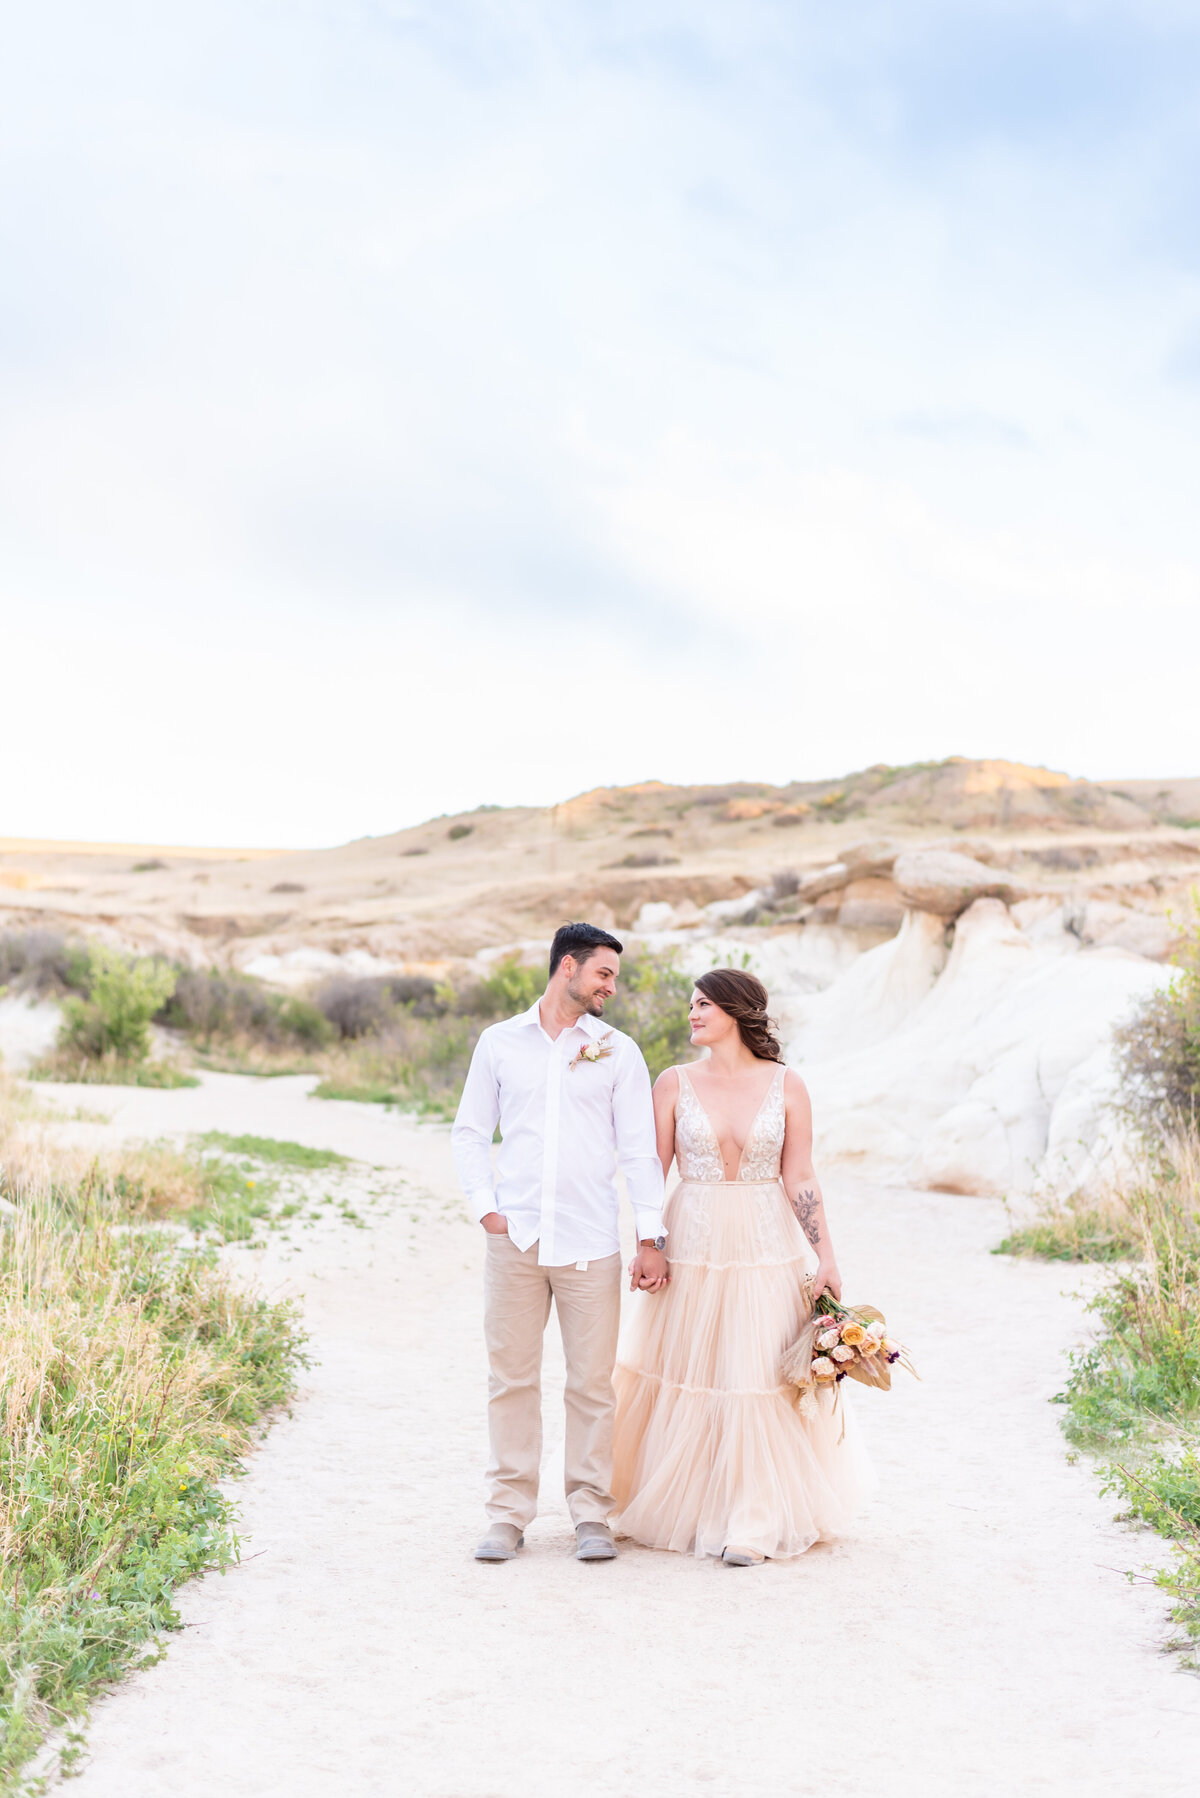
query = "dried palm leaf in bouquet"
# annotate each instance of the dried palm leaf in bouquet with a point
(841, 1342)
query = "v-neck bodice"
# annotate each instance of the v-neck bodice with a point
(698, 1149)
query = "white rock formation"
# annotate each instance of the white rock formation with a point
(988, 1074)
(299, 968)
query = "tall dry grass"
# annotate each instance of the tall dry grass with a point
(1133, 1397)
(133, 1370)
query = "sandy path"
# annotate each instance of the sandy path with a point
(987, 1645)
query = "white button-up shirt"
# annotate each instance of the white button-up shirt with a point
(565, 1124)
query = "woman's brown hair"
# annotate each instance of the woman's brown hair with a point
(744, 999)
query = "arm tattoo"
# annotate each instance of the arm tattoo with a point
(806, 1205)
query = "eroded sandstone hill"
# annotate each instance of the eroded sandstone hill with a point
(810, 850)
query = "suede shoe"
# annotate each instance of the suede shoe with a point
(742, 1557)
(593, 1542)
(500, 1544)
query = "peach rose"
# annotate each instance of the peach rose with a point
(870, 1345)
(853, 1333)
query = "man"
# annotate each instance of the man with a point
(572, 1098)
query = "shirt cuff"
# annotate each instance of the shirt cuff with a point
(649, 1224)
(482, 1200)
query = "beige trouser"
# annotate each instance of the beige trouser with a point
(517, 1294)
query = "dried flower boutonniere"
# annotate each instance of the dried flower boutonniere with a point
(592, 1051)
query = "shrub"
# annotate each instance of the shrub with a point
(213, 1006)
(422, 995)
(364, 1007)
(354, 1007)
(113, 1022)
(42, 961)
(419, 1062)
(457, 832)
(1158, 1050)
(303, 1022)
(512, 986)
(651, 1006)
(646, 860)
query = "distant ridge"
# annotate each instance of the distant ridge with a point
(452, 886)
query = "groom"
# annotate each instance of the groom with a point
(572, 1098)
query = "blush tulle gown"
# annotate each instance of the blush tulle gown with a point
(710, 1450)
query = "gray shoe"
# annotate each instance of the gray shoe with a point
(500, 1544)
(742, 1557)
(593, 1542)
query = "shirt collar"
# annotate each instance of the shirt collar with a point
(592, 1027)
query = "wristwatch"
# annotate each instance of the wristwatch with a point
(656, 1242)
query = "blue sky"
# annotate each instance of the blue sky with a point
(411, 406)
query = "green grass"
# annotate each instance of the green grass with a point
(277, 1151)
(135, 1371)
(408, 1097)
(1077, 1230)
(1132, 1398)
(86, 1071)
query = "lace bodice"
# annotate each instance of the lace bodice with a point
(698, 1152)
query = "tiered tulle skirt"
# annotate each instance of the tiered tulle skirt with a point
(710, 1450)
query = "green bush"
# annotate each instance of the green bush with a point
(651, 1006)
(1158, 1050)
(123, 995)
(211, 1006)
(512, 987)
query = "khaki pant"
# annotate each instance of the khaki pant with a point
(517, 1294)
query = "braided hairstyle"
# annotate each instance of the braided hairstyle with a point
(744, 999)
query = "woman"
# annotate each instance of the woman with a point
(712, 1455)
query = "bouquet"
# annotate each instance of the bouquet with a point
(841, 1342)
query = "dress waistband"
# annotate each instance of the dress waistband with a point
(771, 1180)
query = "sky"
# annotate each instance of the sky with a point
(407, 406)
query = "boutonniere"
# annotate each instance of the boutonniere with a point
(592, 1051)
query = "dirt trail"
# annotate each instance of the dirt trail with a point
(980, 1638)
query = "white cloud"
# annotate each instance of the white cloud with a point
(385, 387)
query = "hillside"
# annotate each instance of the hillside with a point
(453, 885)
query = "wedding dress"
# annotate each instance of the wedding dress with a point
(710, 1450)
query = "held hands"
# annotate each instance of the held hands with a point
(495, 1223)
(648, 1271)
(827, 1279)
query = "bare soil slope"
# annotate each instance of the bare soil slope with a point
(453, 885)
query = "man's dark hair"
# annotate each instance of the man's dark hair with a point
(581, 941)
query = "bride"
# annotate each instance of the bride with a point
(711, 1455)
